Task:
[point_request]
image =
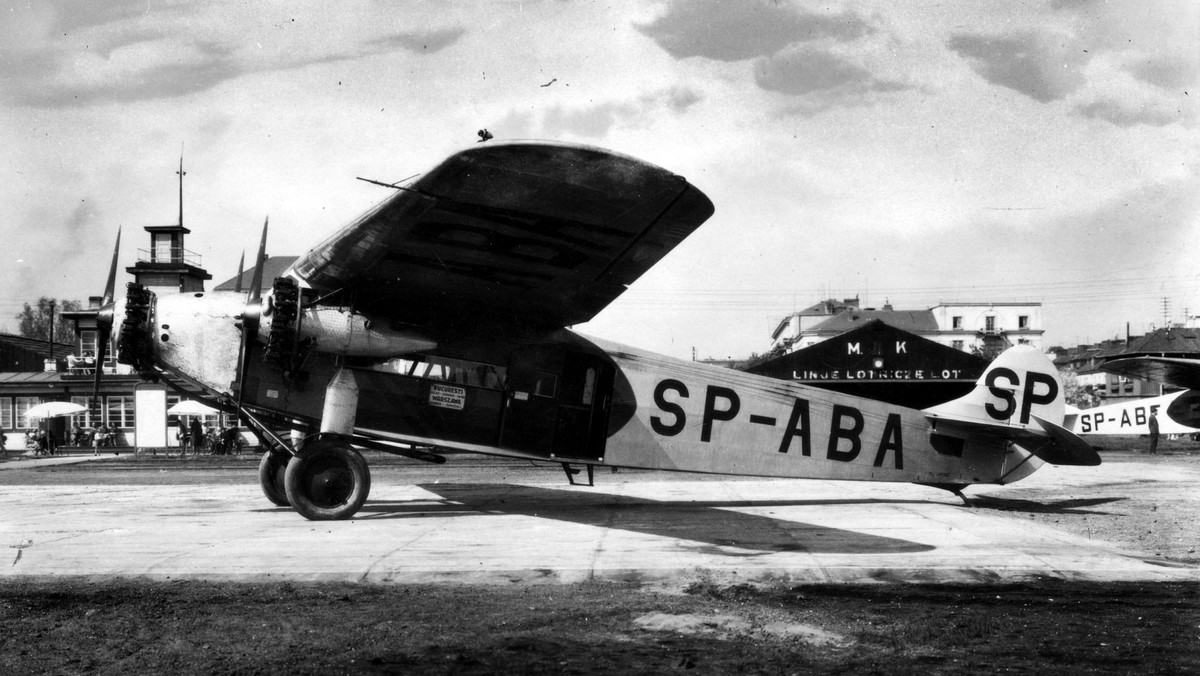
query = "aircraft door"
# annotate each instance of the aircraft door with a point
(581, 428)
(557, 405)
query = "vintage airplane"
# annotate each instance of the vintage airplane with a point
(1182, 408)
(1177, 412)
(438, 320)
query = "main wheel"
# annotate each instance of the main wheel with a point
(271, 470)
(327, 481)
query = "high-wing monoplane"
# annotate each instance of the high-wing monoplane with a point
(1181, 408)
(1177, 413)
(439, 320)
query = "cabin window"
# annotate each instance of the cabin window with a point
(589, 386)
(545, 385)
(458, 371)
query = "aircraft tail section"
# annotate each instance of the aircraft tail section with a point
(1018, 398)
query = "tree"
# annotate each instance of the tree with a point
(35, 321)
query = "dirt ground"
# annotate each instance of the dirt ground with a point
(1132, 515)
(1053, 626)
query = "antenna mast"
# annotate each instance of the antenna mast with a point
(181, 173)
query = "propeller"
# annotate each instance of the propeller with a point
(104, 324)
(251, 317)
(237, 286)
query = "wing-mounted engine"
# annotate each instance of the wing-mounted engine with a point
(296, 331)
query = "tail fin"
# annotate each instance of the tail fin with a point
(1019, 397)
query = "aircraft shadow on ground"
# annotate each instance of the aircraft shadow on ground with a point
(1074, 506)
(711, 524)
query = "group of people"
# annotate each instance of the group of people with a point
(195, 435)
(41, 442)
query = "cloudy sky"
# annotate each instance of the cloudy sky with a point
(905, 152)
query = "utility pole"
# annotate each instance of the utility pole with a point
(52, 330)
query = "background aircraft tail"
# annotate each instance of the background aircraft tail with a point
(1019, 398)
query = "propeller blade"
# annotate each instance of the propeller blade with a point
(110, 286)
(251, 317)
(104, 323)
(237, 286)
(103, 335)
(256, 279)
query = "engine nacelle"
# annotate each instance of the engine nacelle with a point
(335, 330)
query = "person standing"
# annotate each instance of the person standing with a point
(197, 432)
(1153, 434)
(183, 436)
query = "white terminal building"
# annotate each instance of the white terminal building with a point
(979, 328)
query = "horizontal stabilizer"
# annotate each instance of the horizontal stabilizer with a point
(1064, 447)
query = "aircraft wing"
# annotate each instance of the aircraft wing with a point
(541, 234)
(1175, 371)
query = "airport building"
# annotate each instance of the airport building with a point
(34, 372)
(985, 329)
(915, 358)
(883, 362)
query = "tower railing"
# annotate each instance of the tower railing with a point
(173, 255)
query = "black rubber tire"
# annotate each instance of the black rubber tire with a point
(328, 481)
(271, 471)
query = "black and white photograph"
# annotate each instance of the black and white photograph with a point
(600, 337)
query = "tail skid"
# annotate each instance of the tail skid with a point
(1018, 398)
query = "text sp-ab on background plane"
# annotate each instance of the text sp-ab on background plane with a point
(438, 321)
(1176, 412)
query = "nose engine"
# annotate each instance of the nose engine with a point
(133, 341)
(194, 335)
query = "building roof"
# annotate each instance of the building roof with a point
(38, 346)
(913, 321)
(30, 378)
(986, 303)
(830, 306)
(273, 267)
(1168, 341)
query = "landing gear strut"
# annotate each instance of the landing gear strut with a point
(327, 479)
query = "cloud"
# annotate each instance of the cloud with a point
(427, 42)
(818, 80)
(1042, 66)
(1166, 72)
(736, 31)
(72, 53)
(596, 121)
(1123, 113)
(806, 70)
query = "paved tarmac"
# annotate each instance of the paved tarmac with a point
(665, 533)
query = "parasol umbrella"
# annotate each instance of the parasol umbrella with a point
(52, 409)
(190, 407)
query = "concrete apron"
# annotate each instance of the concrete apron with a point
(667, 534)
